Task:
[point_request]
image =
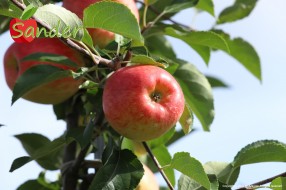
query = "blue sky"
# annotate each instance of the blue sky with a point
(246, 112)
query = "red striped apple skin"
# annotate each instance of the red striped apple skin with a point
(142, 102)
(51, 93)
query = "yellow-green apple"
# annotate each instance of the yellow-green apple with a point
(100, 37)
(142, 102)
(51, 93)
(148, 181)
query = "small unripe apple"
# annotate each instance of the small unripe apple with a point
(100, 37)
(148, 181)
(142, 102)
(51, 93)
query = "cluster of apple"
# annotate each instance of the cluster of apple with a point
(139, 102)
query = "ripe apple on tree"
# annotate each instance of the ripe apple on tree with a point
(100, 37)
(142, 102)
(51, 93)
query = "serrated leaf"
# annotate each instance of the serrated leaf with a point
(19, 162)
(239, 10)
(225, 172)
(35, 76)
(63, 21)
(164, 158)
(145, 60)
(189, 166)
(28, 12)
(33, 142)
(187, 119)
(114, 17)
(206, 5)
(278, 183)
(52, 58)
(197, 91)
(32, 184)
(203, 38)
(122, 171)
(242, 51)
(179, 6)
(261, 151)
(216, 82)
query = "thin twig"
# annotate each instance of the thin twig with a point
(257, 184)
(158, 165)
(154, 10)
(69, 42)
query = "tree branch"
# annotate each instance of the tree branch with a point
(257, 184)
(158, 165)
(69, 42)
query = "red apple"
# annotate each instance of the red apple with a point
(51, 93)
(148, 181)
(142, 102)
(100, 37)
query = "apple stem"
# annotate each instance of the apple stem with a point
(156, 162)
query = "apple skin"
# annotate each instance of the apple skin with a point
(148, 181)
(142, 102)
(25, 25)
(51, 93)
(100, 37)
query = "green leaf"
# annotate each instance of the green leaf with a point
(239, 10)
(19, 162)
(145, 60)
(48, 149)
(121, 171)
(203, 38)
(177, 136)
(225, 172)
(200, 41)
(186, 183)
(206, 5)
(35, 3)
(46, 183)
(63, 22)
(189, 166)
(114, 17)
(149, 2)
(164, 158)
(52, 58)
(28, 12)
(4, 24)
(180, 5)
(87, 39)
(9, 9)
(187, 119)
(35, 76)
(278, 183)
(197, 91)
(33, 142)
(244, 53)
(261, 151)
(32, 184)
(162, 140)
(215, 82)
(160, 46)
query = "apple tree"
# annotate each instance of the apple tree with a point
(111, 74)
